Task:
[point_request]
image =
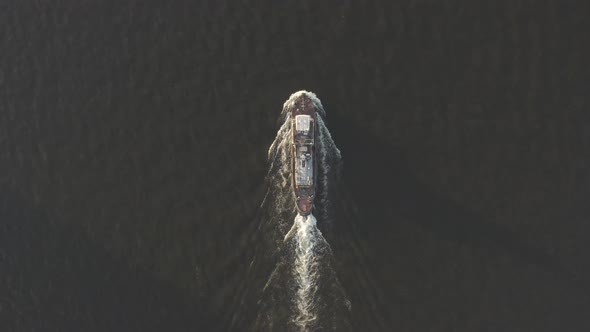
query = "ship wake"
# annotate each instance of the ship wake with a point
(302, 291)
(305, 268)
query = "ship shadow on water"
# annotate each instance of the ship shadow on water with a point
(381, 184)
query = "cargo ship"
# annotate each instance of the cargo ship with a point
(304, 165)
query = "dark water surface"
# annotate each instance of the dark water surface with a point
(133, 142)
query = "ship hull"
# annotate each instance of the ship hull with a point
(304, 163)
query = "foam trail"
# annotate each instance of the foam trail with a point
(305, 270)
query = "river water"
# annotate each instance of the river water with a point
(137, 192)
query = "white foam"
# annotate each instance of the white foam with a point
(305, 269)
(315, 101)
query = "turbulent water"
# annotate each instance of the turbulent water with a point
(301, 290)
(305, 268)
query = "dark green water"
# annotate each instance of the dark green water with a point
(133, 141)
